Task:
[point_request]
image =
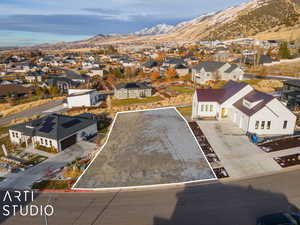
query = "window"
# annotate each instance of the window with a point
(206, 108)
(50, 142)
(42, 141)
(285, 124)
(256, 125)
(13, 134)
(263, 124)
(46, 142)
(202, 108)
(269, 125)
(211, 108)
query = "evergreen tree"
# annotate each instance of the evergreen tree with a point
(284, 51)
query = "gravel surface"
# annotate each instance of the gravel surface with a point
(146, 148)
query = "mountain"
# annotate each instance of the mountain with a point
(156, 30)
(248, 19)
(261, 19)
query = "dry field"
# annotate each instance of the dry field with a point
(6, 109)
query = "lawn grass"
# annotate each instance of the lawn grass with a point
(131, 101)
(182, 90)
(185, 111)
(51, 184)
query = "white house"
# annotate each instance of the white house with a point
(207, 71)
(83, 97)
(55, 131)
(251, 110)
(96, 72)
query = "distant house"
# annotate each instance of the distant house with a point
(54, 131)
(132, 90)
(149, 66)
(291, 93)
(252, 111)
(223, 57)
(32, 77)
(96, 72)
(14, 90)
(181, 70)
(83, 97)
(254, 59)
(172, 62)
(63, 84)
(89, 64)
(77, 78)
(207, 71)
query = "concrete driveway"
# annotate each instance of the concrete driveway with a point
(238, 155)
(24, 179)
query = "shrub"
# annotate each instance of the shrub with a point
(46, 149)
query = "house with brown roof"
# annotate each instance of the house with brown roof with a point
(253, 111)
(14, 90)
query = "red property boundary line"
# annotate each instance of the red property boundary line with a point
(62, 190)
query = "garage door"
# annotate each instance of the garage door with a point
(68, 142)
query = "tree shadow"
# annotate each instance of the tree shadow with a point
(224, 204)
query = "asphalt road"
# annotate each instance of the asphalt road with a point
(38, 110)
(230, 203)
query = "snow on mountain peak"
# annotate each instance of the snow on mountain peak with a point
(158, 29)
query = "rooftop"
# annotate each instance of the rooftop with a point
(253, 96)
(220, 95)
(54, 126)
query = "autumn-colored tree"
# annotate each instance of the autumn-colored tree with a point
(142, 74)
(161, 56)
(53, 91)
(110, 78)
(171, 73)
(155, 75)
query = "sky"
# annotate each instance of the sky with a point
(30, 22)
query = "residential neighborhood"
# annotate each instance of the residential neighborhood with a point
(150, 113)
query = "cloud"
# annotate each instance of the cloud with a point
(103, 11)
(76, 24)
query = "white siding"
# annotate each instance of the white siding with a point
(46, 142)
(277, 113)
(15, 137)
(79, 101)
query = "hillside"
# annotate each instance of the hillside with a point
(247, 19)
(261, 19)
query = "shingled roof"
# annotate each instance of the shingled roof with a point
(253, 96)
(220, 95)
(16, 89)
(209, 66)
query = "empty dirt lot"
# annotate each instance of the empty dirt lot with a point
(146, 148)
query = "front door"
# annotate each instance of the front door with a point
(223, 112)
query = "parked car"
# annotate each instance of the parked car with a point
(280, 219)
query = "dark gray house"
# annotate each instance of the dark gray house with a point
(291, 93)
(132, 90)
(54, 131)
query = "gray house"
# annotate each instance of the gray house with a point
(207, 71)
(132, 90)
(54, 131)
